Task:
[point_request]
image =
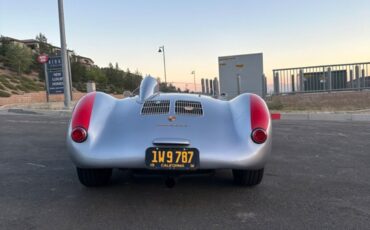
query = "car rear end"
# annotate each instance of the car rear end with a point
(172, 132)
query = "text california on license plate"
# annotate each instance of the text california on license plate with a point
(172, 158)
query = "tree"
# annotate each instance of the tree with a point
(41, 38)
(164, 87)
(18, 57)
(44, 47)
(109, 79)
(131, 81)
(96, 75)
(4, 43)
(78, 72)
(137, 73)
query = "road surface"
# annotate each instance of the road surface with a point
(318, 177)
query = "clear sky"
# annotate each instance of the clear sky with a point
(290, 33)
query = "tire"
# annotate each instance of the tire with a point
(248, 177)
(94, 177)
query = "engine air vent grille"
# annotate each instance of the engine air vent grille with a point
(156, 107)
(188, 108)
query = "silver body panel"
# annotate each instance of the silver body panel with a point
(119, 134)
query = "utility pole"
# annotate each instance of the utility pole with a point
(63, 45)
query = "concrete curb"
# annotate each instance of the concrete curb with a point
(321, 116)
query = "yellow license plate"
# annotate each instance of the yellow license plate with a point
(172, 158)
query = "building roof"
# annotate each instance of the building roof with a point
(10, 39)
(82, 57)
(29, 41)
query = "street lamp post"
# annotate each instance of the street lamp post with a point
(161, 50)
(195, 85)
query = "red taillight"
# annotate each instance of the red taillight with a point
(260, 115)
(79, 134)
(260, 119)
(82, 113)
(81, 117)
(259, 135)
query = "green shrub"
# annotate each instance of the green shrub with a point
(3, 79)
(80, 86)
(7, 77)
(25, 79)
(14, 80)
(28, 85)
(4, 94)
(1, 86)
(18, 58)
(23, 88)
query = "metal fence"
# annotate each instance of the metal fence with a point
(325, 78)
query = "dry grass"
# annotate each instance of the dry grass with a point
(334, 101)
(19, 84)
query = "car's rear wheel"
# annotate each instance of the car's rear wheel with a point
(94, 177)
(248, 177)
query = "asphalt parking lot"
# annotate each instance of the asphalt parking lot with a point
(318, 177)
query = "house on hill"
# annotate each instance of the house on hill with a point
(34, 45)
(85, 61)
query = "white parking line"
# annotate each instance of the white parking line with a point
(37, 165)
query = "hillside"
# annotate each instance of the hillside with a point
(20, 73)
(11, 83)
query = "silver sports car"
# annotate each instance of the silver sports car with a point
(170, 133)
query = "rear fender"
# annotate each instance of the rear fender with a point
(249, 111)
(91, 112)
